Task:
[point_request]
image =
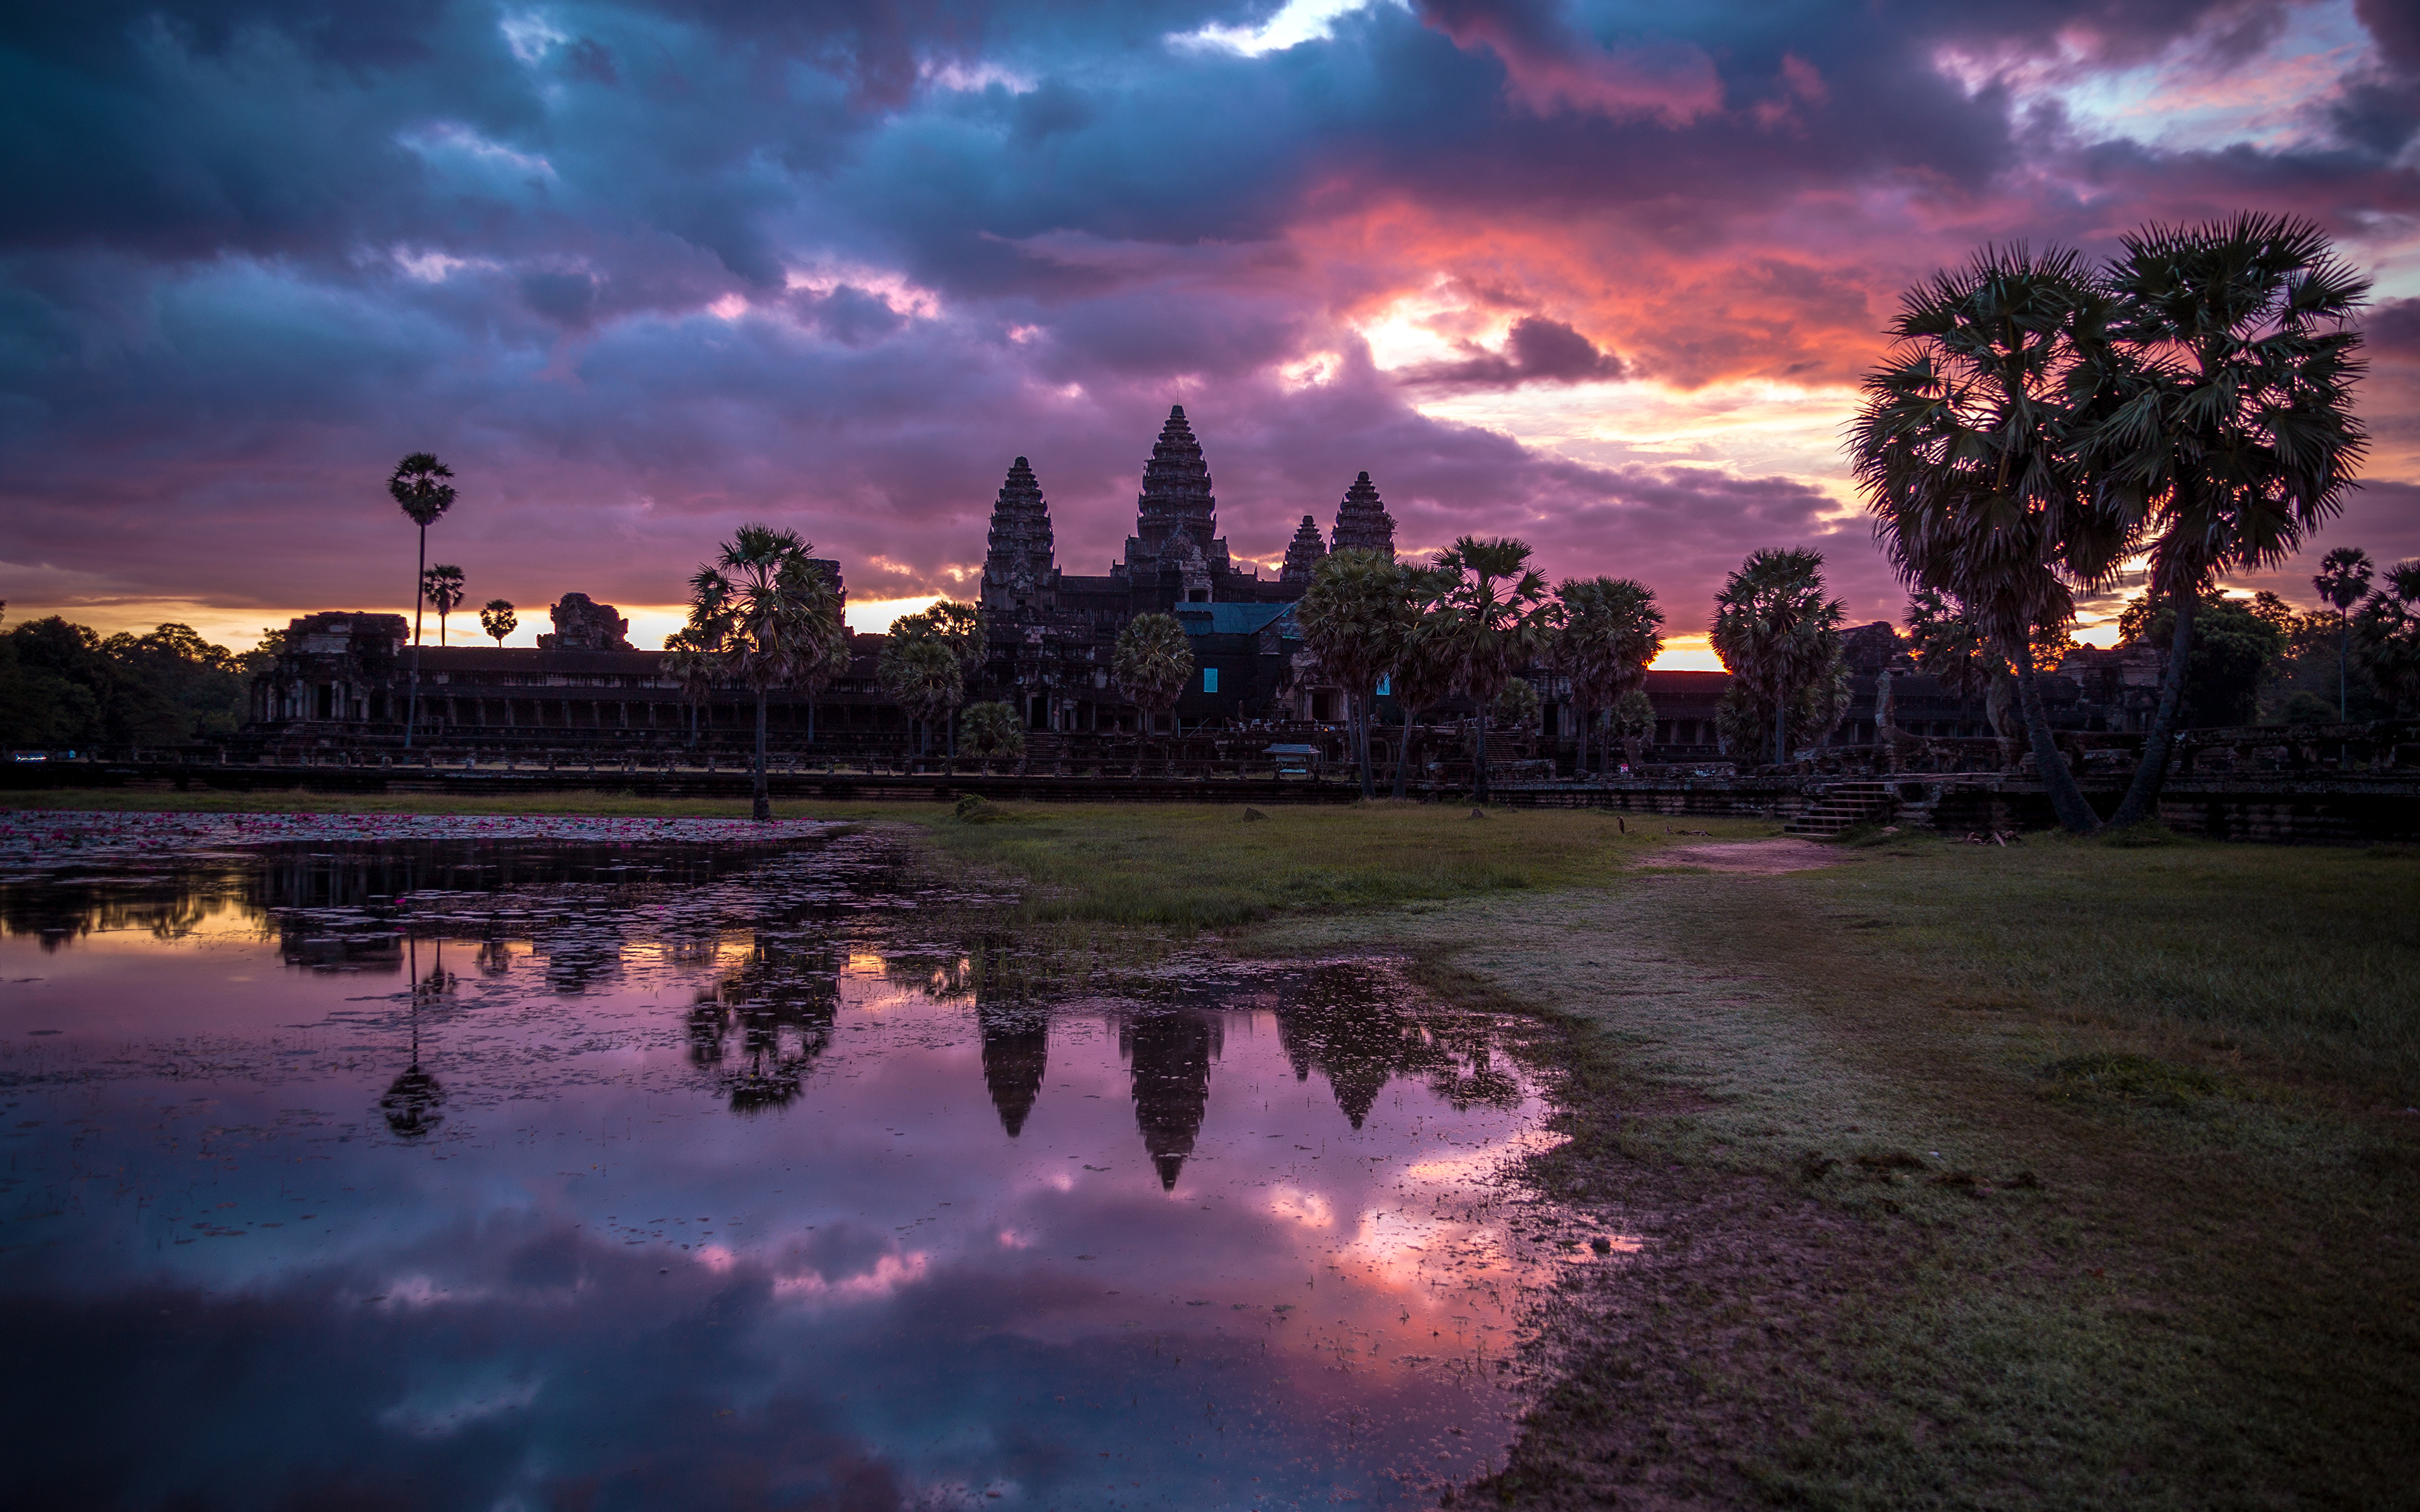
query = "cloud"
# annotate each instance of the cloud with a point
(1536, 350)
(642, 270)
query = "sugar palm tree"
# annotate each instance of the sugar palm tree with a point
(1422, 674)
(1611, 630)
(765, 611)
(1964, 448)
(2229, 435)
(2343, 581)
(2387, 636)
(1154, 663)
(442, 583)
(419, 486)
(827, 668)
(690, 662)
(920, 669)
(1777, 632)
(960, 627)
(499, 619)
(1489, 616)
(1354, 617)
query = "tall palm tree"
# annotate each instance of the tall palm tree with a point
(1489, 617)
(691, 663)
(766, 612)
(1777, 633)
(1611, 630)
(442, 583)
(1153, 662)
(499, 619)
(921, 671)
(827, 668)
(418, 486)
(2387, 636)
(962, 628)
(1964, 448)
(2229, 435)
(2343, 581)
(1354, 617)
(1422, 674)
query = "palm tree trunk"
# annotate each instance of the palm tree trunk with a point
(2344, 687)
(411, 703)
(2067, 799)
(763, 806)
(1481, 790)
(1579, 755)
(1404, 757)
(1361, 737)
(2151, 774)
(1781, 730)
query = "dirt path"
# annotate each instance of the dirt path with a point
(1753, 858)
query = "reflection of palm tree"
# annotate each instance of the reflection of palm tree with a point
(777, 1010)
(1356, 1038)
(1171, 1055)
(411, 1101)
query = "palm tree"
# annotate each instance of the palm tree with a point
(921, 671)
(2343, 581)
(690, 662)
(1354, 617)
(1423, 675)
(442, 583)
(1964, 448)
(419, 485)
(766, 612)
(2387, 636)
(961, 627)
(2228, 436)
(1777, 634)
(1154, 663)
(1489, 617)
(1611, 630)
(826, 668)
(497, 620)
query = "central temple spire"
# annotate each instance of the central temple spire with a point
(1175, 497)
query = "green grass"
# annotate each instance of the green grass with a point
(1187, 867)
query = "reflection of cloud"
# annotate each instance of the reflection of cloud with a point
(1296, 1205)
(891, 1274)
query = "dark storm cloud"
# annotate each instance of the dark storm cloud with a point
(642, 270)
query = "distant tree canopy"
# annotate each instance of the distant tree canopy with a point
(2234, 640)
(62, 685)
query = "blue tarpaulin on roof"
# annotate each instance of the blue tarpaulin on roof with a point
(1227, 619)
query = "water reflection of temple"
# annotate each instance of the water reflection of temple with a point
(1015, 1057)
(1169, 1056)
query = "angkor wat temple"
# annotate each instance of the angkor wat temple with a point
(342, 678)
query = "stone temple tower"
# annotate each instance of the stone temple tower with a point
(1018, 567)
(1304, 553)
(1175, 543)
(1363, 523)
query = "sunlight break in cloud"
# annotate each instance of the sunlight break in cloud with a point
(1297, 23)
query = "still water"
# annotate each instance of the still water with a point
(562, 1171)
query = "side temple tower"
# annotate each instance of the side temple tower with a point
(1020, 571)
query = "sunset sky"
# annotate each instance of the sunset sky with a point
(1601, 276)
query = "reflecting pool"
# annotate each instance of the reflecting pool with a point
(571, 1169)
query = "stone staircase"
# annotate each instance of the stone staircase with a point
(1842, 806)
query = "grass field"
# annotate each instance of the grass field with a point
(2066, 1174)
